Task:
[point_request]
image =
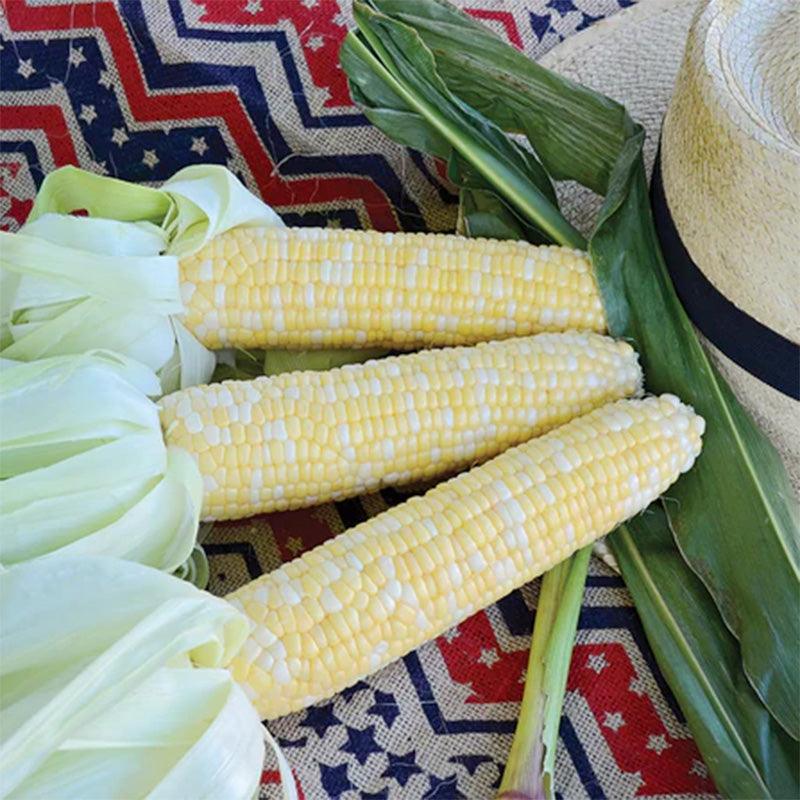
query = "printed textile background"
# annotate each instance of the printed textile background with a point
(140, 88)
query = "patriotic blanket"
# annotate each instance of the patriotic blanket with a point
(140, 88)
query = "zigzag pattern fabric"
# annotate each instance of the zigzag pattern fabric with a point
(141, 88)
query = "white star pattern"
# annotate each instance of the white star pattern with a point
(26, 68)
(76, 56)
(340, 20)
(453, 633)
(252, 6)
(119, 137)
(596, 662)
(699, 768)
(315, 42)
(88, 114)
(309, 3)
(105, 79)
(99, 167)
(614, 721)
(635, 778)
(294, 544)
(488, 656)
(150, 159)
(199, 145)
(657, 743)
(636, 686)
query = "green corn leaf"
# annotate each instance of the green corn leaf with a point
(481, 213)
(278, 361)
(244, 365)
(736, 520)
(394, 55)
(494, 78)
(581, 135)
(755, 757)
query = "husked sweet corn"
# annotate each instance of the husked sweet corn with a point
(307, 437)
(316, 287)
(382, 588)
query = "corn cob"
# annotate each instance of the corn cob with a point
(381, 589)
(306, 437)
(313, 287)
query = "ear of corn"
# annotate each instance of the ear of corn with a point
(307, 437)
(313, 287)
(381, 589)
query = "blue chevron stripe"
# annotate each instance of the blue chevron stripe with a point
(283, 47)
(27, 149)
(580, 760)
(433, 712)
(612, 581)
(173, 146)
(82, 88)
(160, 75)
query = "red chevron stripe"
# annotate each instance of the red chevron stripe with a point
(191, 105)
(49, 119)
(317, 27)
(474, 656)
(505, 18)
(631, 725)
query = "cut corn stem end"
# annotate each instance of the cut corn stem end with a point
(303, 438)
(315, 287)
(381, 589)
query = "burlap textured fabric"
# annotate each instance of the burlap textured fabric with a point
(141, 88)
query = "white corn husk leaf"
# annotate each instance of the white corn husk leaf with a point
(209, 200)
(113, 685)
(84, 469)
(71, 284)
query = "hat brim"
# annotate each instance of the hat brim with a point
(633, 57)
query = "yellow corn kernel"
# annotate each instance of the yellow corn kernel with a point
(494, 560)
(389, 421)
(317, 287)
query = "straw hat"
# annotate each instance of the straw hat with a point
(718, 83)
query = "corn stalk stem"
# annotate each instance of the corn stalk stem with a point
(529, 771)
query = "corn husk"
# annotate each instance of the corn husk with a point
(111, 279)
(84, 469)
(113, 685)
